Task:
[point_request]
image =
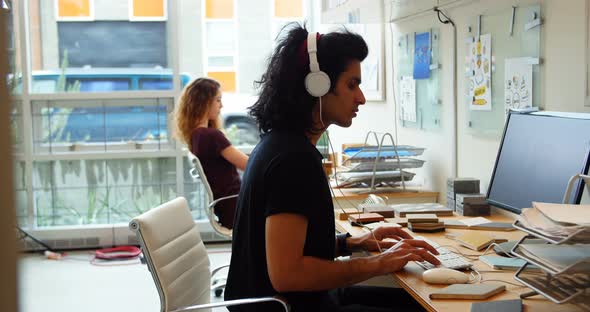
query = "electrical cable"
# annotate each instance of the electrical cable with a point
(447, 21)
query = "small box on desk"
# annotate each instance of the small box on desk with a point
(471, 199)
(473, 210)
(462, 185)
(365, 217)
(451, 203)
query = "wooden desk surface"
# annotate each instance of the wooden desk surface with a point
(410, 278)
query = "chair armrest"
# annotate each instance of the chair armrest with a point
(213, 203)
(214, 271)
(228, 303)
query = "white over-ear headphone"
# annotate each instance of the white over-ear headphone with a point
(317, 83)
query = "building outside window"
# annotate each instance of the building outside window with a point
(91, 111)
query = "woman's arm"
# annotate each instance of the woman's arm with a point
(290, 270)
(235, 157)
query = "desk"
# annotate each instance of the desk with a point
(410, 279)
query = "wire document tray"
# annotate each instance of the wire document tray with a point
(380, 164)
(564, 260)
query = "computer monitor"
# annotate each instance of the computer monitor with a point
(538, 155)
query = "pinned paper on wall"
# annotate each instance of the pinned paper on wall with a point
(480, 69)
(518, 83)
(408, 98)
(422, 54)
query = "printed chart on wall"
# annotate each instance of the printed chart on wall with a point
(518, 83)
(408, 98)
(480, 69)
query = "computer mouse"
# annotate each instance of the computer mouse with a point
(444, 276)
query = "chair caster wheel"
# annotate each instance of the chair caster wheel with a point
(218, 292)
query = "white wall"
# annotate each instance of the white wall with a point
(563, 38)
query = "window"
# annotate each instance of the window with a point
(74, 10)
(16, 127)
(20, 189)
(104, 47)
(284, 12)
(147, 10)
(288, 9)
(105, 125)
(220, 43)
(219, 9)
(76, 192)
(226, 79)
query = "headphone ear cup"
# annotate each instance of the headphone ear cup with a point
(317, 83)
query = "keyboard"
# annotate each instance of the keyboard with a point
(447, 258)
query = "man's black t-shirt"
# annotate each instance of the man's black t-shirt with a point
(284, 175)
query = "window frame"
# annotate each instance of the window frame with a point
(234, 53)
(134, 18)
(276, 22)
(89, 18)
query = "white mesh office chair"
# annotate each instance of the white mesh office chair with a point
(177, 259)
(198, 174)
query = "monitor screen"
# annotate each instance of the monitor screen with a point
(538, 155)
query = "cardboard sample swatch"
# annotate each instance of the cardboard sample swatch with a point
(475, 240)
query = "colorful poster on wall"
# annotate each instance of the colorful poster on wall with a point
(518, 83)
(408, 98)
(422, 56)
(480, 68)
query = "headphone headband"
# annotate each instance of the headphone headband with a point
(317, 83)
(312, 50)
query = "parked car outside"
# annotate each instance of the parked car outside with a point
(131, 123)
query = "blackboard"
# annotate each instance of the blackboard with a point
(113, 43)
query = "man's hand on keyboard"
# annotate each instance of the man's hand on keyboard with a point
(406, 250)
(372, 242)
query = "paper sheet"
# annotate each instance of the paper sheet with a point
(480, 69)
(408, 98)
(475, 221)
(518, 83)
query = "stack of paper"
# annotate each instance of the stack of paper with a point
(403, 209)
(558, 221)
(559, 257)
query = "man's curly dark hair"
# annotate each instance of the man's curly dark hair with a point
(283, 102)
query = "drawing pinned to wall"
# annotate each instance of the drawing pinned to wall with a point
(480, 67)
(518, 83)
(372, 66)
(422, 55)
(408, 98)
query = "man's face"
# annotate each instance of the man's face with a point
(341, 105)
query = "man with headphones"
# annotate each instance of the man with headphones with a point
(284, 241)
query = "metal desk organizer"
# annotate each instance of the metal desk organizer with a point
(558, 284)
(380, 164)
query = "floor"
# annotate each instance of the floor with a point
(75, 284)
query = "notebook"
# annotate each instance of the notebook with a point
(514, 305)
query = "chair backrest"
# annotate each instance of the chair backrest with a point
(175, 254)
(197, 172)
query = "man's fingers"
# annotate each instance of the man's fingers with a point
(422, 244)
(427, 256)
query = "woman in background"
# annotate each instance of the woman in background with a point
(197, 123)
